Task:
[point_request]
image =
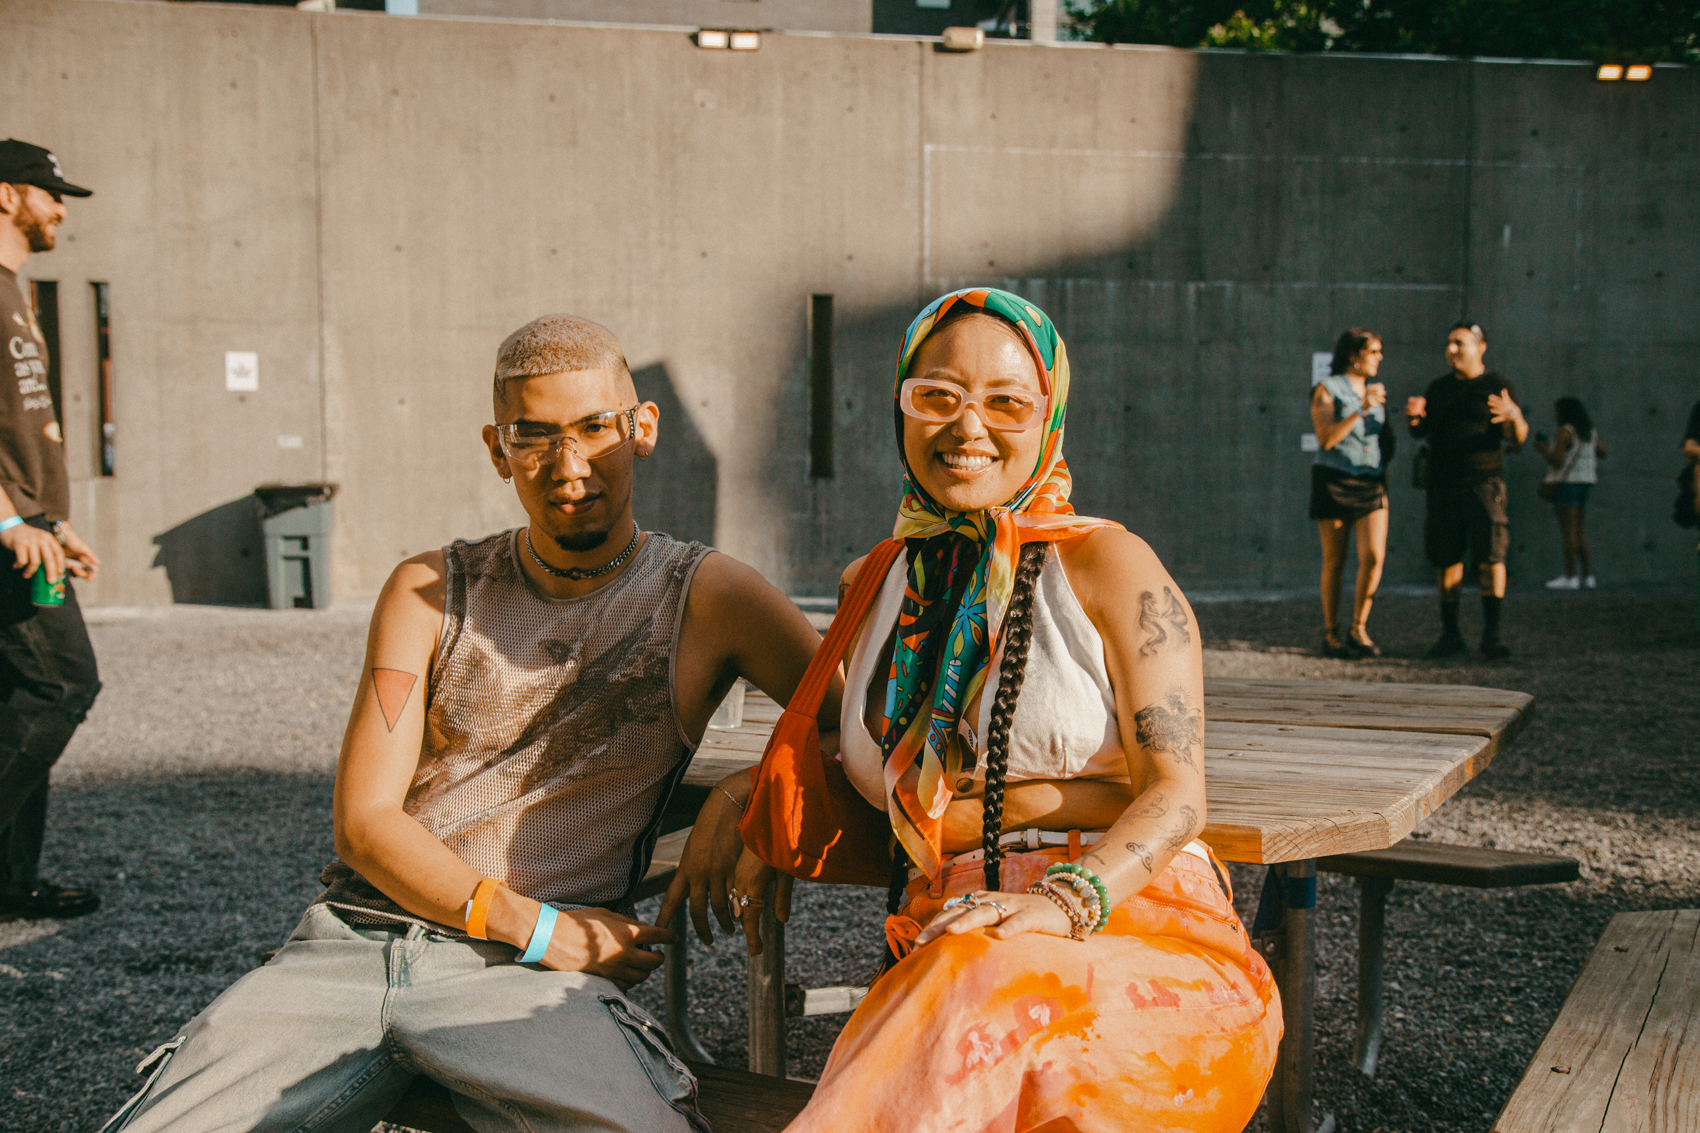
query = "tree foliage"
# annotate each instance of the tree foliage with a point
(1620, 30)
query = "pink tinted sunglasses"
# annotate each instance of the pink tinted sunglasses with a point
(1006, 409)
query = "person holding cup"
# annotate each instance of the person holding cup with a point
(48, 678)
(1470, 419)
(1348, 485)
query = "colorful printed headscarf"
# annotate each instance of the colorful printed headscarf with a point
(960, 577)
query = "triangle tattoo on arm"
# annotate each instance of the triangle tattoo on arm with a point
(393, 688)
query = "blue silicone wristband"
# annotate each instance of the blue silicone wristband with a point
(10, 522)
(541, 934)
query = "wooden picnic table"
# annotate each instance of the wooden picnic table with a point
(1295, 770)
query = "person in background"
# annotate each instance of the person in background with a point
(1573, 457)
(48, 678)
(1469, 417)
(1348, 485)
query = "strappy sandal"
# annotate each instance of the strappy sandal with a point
(1331, 648)
(1361, 648)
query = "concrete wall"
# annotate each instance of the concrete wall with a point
(782, 15)
(372, 203)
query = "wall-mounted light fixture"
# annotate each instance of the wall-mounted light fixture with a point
(963, 39)
(720, 39)
(1634, 72)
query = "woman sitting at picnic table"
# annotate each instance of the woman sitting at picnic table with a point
(1062, 953)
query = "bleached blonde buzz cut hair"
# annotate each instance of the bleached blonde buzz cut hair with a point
(556, 344)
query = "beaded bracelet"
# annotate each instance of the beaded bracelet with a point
(1079, 870)
(1076, 920)
(1089, 898)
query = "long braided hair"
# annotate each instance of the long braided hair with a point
(1017, 636)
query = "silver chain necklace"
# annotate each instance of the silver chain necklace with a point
(574, 573)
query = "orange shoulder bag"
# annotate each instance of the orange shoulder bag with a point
(805, 818)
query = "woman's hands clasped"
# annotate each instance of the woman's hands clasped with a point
(1002, 915)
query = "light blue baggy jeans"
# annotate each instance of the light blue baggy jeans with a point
(330, 1033)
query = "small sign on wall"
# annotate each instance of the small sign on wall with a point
(1321, 362)
(1307, 442)
(241, 371)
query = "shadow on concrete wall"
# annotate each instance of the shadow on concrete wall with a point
(217, 558)
(677, 488)
(1190, 340)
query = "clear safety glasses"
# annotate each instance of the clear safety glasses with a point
(535, 445)
(1006, 409)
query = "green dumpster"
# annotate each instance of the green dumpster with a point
(295, 520)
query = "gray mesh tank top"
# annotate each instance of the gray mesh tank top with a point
(552, 738)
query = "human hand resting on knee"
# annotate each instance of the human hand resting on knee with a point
(596, 941)
(708, 867)
(1002, 915)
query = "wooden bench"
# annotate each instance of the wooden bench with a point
(1624, 1053)
(1436, 864)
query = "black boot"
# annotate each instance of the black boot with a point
(1493, 649)
(46, 901)
(1451, 642)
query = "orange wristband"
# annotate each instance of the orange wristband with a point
(478, 908)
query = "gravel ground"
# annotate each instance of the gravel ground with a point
(197, 797)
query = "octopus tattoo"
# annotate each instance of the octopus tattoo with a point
(1189, 818)
(1152, 617)
(1170, 728)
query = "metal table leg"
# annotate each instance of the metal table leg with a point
(1289, 1095)
(1372, 969)
(678, 997)
(767, 996)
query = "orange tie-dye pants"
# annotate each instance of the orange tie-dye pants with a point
(1166, 1020)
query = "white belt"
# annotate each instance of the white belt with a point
(1034, 839)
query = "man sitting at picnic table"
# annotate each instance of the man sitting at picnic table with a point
(527, 704)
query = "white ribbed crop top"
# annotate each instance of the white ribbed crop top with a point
(1065, 721)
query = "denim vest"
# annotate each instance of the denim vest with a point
(1358, 453)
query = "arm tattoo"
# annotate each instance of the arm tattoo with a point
(1139, 851)
(1156, 808)
(1153, 614)
(1184, 835)
(1172, 730)
(393, 687)
(843, 589)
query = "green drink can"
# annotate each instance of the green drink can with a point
(45, 593)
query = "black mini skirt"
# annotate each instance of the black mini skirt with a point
(1340, 495)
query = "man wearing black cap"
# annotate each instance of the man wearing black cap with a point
(47, 668)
